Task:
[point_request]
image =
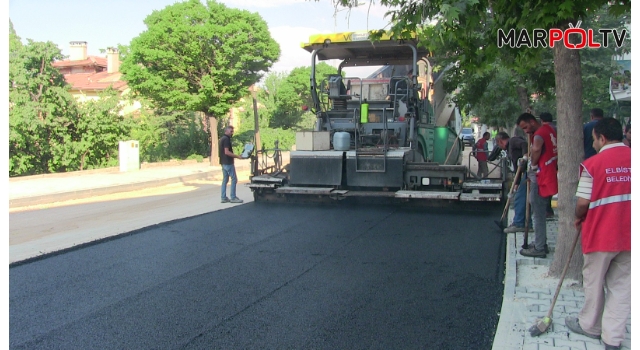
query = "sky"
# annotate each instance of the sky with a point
(108, 23)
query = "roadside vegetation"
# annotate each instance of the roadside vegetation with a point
(186, 87)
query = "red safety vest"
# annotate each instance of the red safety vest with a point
(480, 152)
(607, 227)
(547, 175)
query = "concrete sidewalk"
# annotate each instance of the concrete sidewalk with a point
(527, 292)
(49, 188)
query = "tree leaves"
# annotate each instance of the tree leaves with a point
(199, 57)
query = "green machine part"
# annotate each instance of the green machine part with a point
(438, 143)
(364, 112)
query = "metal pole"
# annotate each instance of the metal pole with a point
(213, 128)
(256, 125)
(256, 118)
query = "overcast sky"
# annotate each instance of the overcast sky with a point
(109, 23)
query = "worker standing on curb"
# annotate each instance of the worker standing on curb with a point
(603, 214)
(543, 177)
(516, 148)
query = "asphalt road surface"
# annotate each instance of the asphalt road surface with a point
(276, 276)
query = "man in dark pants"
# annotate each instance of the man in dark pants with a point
(603, 214)
(516, 148)
(543, 178)
(225, 152)
(596, 115)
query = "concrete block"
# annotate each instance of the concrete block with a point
(568, 303)
(543, 340)
(539, 290)
(551, 347)
(313, 141)
(527, 295)
(558, 311)
(573, 345)
(572, 310)
(572, 298)
(592, 346)
(530, 347)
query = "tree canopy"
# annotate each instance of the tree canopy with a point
(199, 57)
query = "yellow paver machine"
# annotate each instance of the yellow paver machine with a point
(391, 135)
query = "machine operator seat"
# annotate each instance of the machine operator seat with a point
(337, 89)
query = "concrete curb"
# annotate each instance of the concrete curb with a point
(105, 190)
(507, 336)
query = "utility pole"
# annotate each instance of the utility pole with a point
(256, 123)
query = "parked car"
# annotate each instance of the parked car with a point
(466, 135)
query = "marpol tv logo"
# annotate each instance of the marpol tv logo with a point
(555, 36)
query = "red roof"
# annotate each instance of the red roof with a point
(92, 81)
(89, 61)
(96, 81)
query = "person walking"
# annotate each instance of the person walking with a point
(481, 151)
(516, 148)
(225, 152)
(542, 176)
(627, 135)
(603, 215)
(596, 115)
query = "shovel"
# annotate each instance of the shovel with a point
(506, 206)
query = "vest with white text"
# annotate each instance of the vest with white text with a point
(607, 227)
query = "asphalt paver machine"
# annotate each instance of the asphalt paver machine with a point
(379, 137)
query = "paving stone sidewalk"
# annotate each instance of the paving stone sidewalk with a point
(527, 298)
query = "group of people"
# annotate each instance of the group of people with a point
(602, 213)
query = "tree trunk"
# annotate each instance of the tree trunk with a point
(213, 131)
(523, 98)
(570, 154)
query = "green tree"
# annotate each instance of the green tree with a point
(197, 57)
(464, 22)
(98, 131)
(42, 113)
(294, 92)
(490, 95)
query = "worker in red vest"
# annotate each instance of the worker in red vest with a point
(603, 214)
(542, 177)
(481, 152)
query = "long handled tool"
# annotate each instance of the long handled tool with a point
(506, 206)
(527, 215)
(543, 324)
(527, 218)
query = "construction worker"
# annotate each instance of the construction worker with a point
(542, 176)
(481, 152)
(516, 148)
(603, 215)
(225, 152)
(546, 118)
(596, 114)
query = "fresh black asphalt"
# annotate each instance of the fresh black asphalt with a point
(272, 276)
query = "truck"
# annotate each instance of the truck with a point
(392, 135)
